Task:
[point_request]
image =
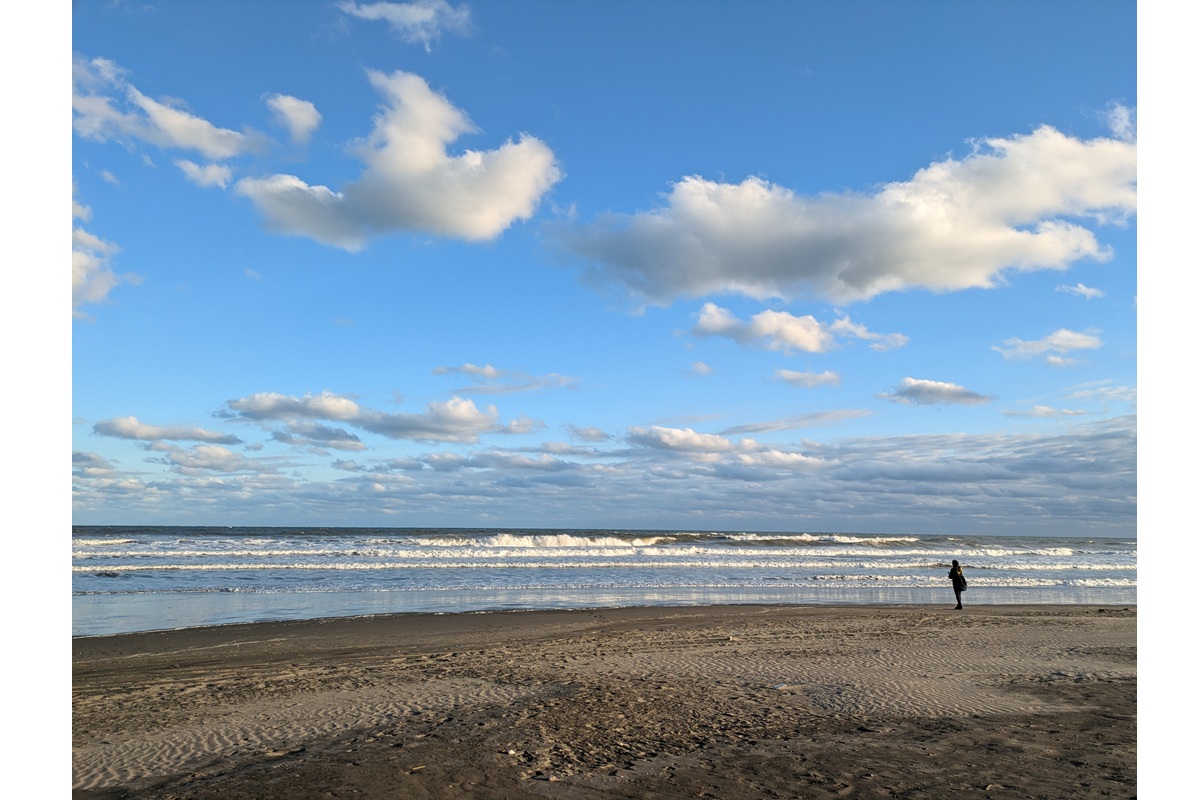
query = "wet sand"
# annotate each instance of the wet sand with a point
(719, 702)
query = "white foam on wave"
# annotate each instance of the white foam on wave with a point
(292, 553)
(514, 560)
(838, 538)
(542, 541)
(1003, 552)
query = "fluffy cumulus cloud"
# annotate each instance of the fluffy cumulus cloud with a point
(207, 458)
(678, 439)
(1025, 202)
(410, 181)
(133, 428)
(419, 22)
(92, 277)
(777, 459)
(108, 107)
(90, 465)
(721, 456)
(1053, 346)
(925, 392)
(455, 420)
(779, 330)
(206, 176)
(300, 117)
(275, 406)
(307, 432)
(774, 330)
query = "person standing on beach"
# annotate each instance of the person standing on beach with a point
(958, 581)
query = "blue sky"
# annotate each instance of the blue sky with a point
(773, 266)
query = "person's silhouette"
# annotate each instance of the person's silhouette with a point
(958, 581)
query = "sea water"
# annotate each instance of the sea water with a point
(128, 579)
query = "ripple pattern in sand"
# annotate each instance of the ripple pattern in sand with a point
(272, 728)
(952, 671)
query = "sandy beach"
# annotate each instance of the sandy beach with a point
(718, 702)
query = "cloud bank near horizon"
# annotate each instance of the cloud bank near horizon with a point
(1085, 473)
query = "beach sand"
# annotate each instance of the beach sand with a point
(719, 702)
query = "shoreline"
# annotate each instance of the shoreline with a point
(740, 700)
(412, 615)
(103, 615)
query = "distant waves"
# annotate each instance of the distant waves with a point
(474, 569)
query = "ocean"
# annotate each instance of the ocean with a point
(129, 578)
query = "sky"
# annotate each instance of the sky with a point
(772, 266)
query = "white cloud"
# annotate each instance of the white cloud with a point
(418, 22)
(808, 380)
(718, 453)
(89, 460)
(486, 372)
(107, 107)
(1078, 479)
(91, 466)
(293, 207)
(410, 182)
(306, 432)
(777, 459)
(1017, 203)
(1122, 121)
(925, 392)
(774, 330)
(1085, 292)
(92, 277)
(274, 406)
(206, 458)
(879, 341)
(523, 424)
(502, 460)
(588, 434)
(1046, 412)
(132, 428)
(1103, 391)
(456, 420)
(1057, 343)
(300, 117)
(814, 420)
(207, 176)
(700, 368)
(489, 380)
(678, 440)
(779, 330)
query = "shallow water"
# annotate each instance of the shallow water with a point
(129, 579)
